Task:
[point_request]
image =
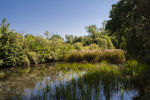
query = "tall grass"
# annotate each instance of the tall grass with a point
(76, 66)
(134, 68)
(94, 85)
(115, 56)
(104, 81)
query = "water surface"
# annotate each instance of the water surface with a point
(44, 83)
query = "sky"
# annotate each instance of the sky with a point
(57, 16)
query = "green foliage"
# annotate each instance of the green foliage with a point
(70, 39)
(1, 62)
(102, 43)
(56, 37)
(92, 47)
(100, 37)
(11, 48)
(78, 46)
(33, 57)
(129, 25)
(134, 68)
(26, 61)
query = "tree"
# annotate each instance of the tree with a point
(130, 27)
(11, 48)
(70, 39)
(78, 46)
(56, 37)
(47, 34)
(93, 31)
(100, 37)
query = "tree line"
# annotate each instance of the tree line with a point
(18, 49)
(128, 28)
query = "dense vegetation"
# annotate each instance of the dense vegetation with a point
(129, 27)
(18, 49)
(113, 56)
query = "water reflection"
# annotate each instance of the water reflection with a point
(43, 83)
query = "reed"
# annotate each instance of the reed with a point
(115, 56)
(76, 66)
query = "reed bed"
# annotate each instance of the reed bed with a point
(104, 82)
(95, 85)
(76, 66)
(115, 56)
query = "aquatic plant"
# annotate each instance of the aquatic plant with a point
(134, 68)
(76, 66)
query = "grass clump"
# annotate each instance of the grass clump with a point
(105, 80)
(133, 68)
(114, 56)
(1, 62)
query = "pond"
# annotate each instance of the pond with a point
(43, 82)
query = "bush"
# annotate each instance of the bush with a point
(78, 46)
(26, 61)
(93, 47)
(11, 49)
(133, 68)
(1, 62)
(33, 57)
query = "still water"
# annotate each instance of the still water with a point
(44, 83)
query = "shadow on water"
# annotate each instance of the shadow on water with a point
(43, 83)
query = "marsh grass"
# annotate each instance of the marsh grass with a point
(133, 68)
(103, 82)
(115, 56)
(76, 66)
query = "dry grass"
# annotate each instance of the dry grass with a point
(115, 56)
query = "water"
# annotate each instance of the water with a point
(44, 83)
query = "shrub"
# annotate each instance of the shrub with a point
(78, 46)
(11, 49)
(33, 57)
(93, 47)
(26, 61)
(1, 62)
(133, 68)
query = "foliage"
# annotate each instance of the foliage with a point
(78, 46)
(133, 68)
(33, 57)
(1, 62)
(70, 39)
(129, 26)
(93, 47)
(11, 48)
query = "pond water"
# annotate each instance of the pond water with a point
(44, 83)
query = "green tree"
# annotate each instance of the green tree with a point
(70, 39)
(129, 25)
(11, 48)
(56, 37)
(78, 46)
(100, 37)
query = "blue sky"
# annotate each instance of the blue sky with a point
(57, 16)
